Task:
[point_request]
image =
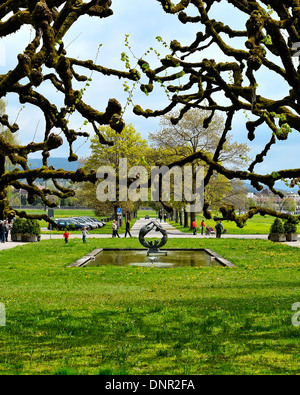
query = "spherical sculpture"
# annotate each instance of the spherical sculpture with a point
(153, 246)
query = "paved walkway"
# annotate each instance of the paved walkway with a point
(172, 233)
(10, 244)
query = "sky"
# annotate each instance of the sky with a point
(143, 21)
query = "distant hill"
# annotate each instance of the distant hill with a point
(57, 163)
(250, 187)
(280, 185)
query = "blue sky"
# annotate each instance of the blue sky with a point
(143, 21)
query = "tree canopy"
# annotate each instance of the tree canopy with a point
(43, 62)
(129, 145)
(267, 43)
(232, 86)
(177, 142)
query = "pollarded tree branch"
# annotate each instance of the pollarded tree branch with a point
(50, 20)
(271, 31)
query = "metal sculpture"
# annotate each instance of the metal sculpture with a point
(153, 247)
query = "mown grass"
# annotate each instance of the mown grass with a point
(138, 320)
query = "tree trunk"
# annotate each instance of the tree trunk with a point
(192, 218)
(3, 192)
(186, 219)
(193, 214)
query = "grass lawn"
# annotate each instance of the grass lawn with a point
(134, 320)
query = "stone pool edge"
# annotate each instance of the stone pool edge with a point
(86, 258)
(91, 255)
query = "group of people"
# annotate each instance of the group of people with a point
(209, 230)
(84, 232)
(115, 233)
(5, 227)
(115, 228)
(161, 217)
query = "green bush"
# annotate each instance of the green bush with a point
(26, 226)
(277, 227)
(17, 226)
(290, 227)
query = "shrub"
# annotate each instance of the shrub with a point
(277, 227)
(26, 226)
(17, 226)
(290, 227)
(32, 227)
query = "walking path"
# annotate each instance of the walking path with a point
(176, 233)
(172, 233)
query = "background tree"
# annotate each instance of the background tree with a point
(289, 205)
(129, 145)
(189, 136)
(44, 61)
(232, 86)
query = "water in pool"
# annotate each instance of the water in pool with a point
(140, 258)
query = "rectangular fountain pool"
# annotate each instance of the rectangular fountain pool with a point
(174, 258)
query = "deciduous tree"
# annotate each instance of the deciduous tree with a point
(174, 143)
(45, 62)
(130, 146)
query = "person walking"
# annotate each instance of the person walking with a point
(194, 227)
(66, 236)
(202, 227)
(84, 233)
(219, 228)
(117, 234)
(114, 226)
(127, 230)
(6, 230)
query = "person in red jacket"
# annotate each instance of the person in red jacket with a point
(194, 226)
(202, 227)
(66, 236)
